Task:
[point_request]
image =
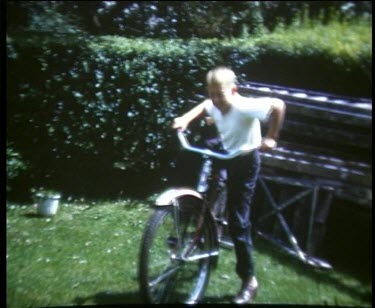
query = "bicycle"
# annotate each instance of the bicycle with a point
(180, 245)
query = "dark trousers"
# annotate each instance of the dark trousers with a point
(242, 175)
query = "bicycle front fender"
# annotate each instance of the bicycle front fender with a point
(167, 197)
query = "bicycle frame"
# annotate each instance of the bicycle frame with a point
(193, 240)
(168, 197)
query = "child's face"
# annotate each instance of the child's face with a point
(221, 96)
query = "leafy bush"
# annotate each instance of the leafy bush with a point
(15, 164)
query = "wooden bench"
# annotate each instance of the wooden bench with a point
(324, 152)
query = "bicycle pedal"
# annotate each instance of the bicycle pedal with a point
(221, 222)
(172, 241)
(226, 243)
(224, 223)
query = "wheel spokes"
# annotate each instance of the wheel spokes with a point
(179, 250)
(166, 274)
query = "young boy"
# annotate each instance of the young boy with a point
(237, 119)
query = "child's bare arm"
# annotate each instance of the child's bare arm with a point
(182, 122)
(274, 125)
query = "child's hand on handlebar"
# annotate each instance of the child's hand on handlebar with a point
(180, 124)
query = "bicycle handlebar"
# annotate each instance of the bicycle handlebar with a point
(186, 145)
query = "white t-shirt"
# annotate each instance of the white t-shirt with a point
(239, 128)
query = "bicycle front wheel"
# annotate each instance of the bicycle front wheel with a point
(177, 253)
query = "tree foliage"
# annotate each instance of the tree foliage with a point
(175, 19)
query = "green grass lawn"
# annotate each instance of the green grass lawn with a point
(87, 255)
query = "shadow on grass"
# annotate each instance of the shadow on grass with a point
(120, 299)
(33, 215)
(318, 275)
(109, 298)
(222, 299)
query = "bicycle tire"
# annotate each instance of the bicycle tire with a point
(164, 275)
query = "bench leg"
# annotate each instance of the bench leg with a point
(277, 209)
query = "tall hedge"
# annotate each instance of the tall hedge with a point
(92, 116)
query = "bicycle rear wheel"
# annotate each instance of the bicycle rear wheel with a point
(177, 253)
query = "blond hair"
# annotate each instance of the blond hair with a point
(222, 76)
